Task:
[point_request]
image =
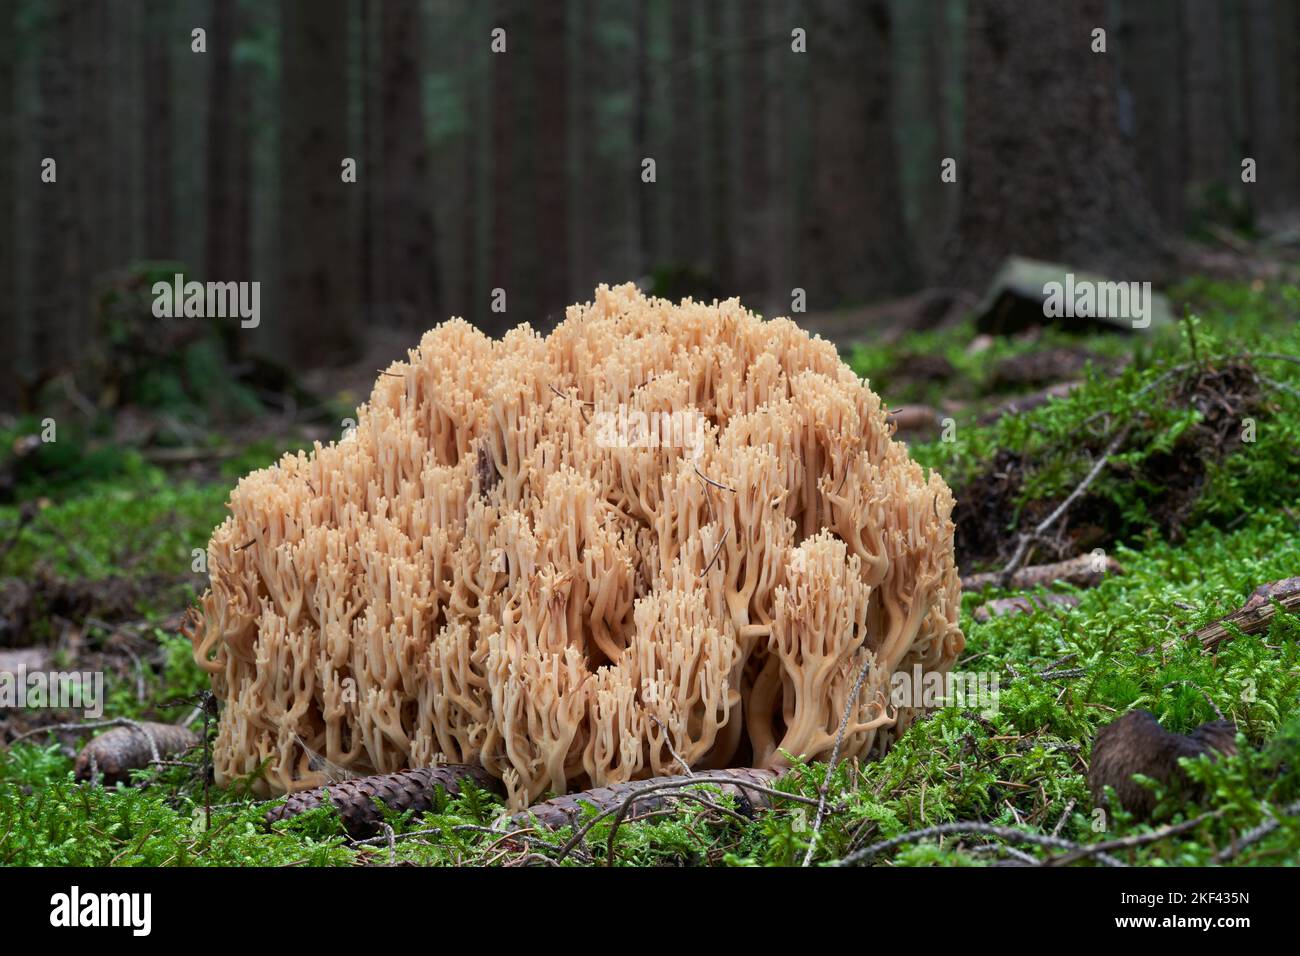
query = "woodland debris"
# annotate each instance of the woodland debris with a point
(1038, 368)
(1025, 403)
(131, 746)
(659, 792)
(354, 799)
(1013, 301)
(1084, 571)
(911, 418)
(1137, 744)
(1254, 616)
(1022, 604)
(24, 659)
(44, 595)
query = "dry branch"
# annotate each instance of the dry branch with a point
(1084, 571)
(1254, 616)
(748, 786)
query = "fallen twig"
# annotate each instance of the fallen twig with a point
(1255, 834)
(1084, 571)
(1099, 850)
(1022, 546)
(835, 759)
(967, 828)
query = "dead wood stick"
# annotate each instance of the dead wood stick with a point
(1129, 842)
(1022, 604)
(1254, 616)
(907, 418)
(968, 828)
(835, 759)
(1085, 571)
(748, 785)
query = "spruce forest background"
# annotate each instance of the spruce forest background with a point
(522, 170)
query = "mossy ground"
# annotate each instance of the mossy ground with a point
(1020, 765)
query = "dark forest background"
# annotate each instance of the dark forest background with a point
(521, 170)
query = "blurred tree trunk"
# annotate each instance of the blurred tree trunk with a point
(1150, 57)
(504, 192)
(854, 240)
(585, 61)
(685, 174)
(754, 236)
(1045, 171)
(58, 255)
(156, 133)
(94, 83)
(647, 254)
(367, 186)
(476, 173)
(551, 159)
(406, 253)
(11, 319)
(1209, 160)
(937, 205)
(1268, 126)
(316, 236)
(721, 149)
(229, 157)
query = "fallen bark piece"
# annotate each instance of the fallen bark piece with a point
(1085, 571)
(115, 753)
(405, 790)
(1255, 615)
(1022, 604)
(911, 418)
(564, 810)
(1136, 743)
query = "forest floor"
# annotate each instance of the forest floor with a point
(1198, 500)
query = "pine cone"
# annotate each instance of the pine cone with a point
(405, 790)
(117, 752)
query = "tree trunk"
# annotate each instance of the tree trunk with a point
(754, 235)
(406, 253)
(551, 161)
(1045, 171)
(229, 176)
(1267, 142)
(10, 319)
(722, 152)
(504, 192)
(647, 254)
(1150, 58)
(854, 246)
(684, 176)
(316, 236)
(58, 258)
(1207, 146)
(156, 133)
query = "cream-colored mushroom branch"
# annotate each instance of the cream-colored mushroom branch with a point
(661, 534)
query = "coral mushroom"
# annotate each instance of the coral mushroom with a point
(661, 534)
